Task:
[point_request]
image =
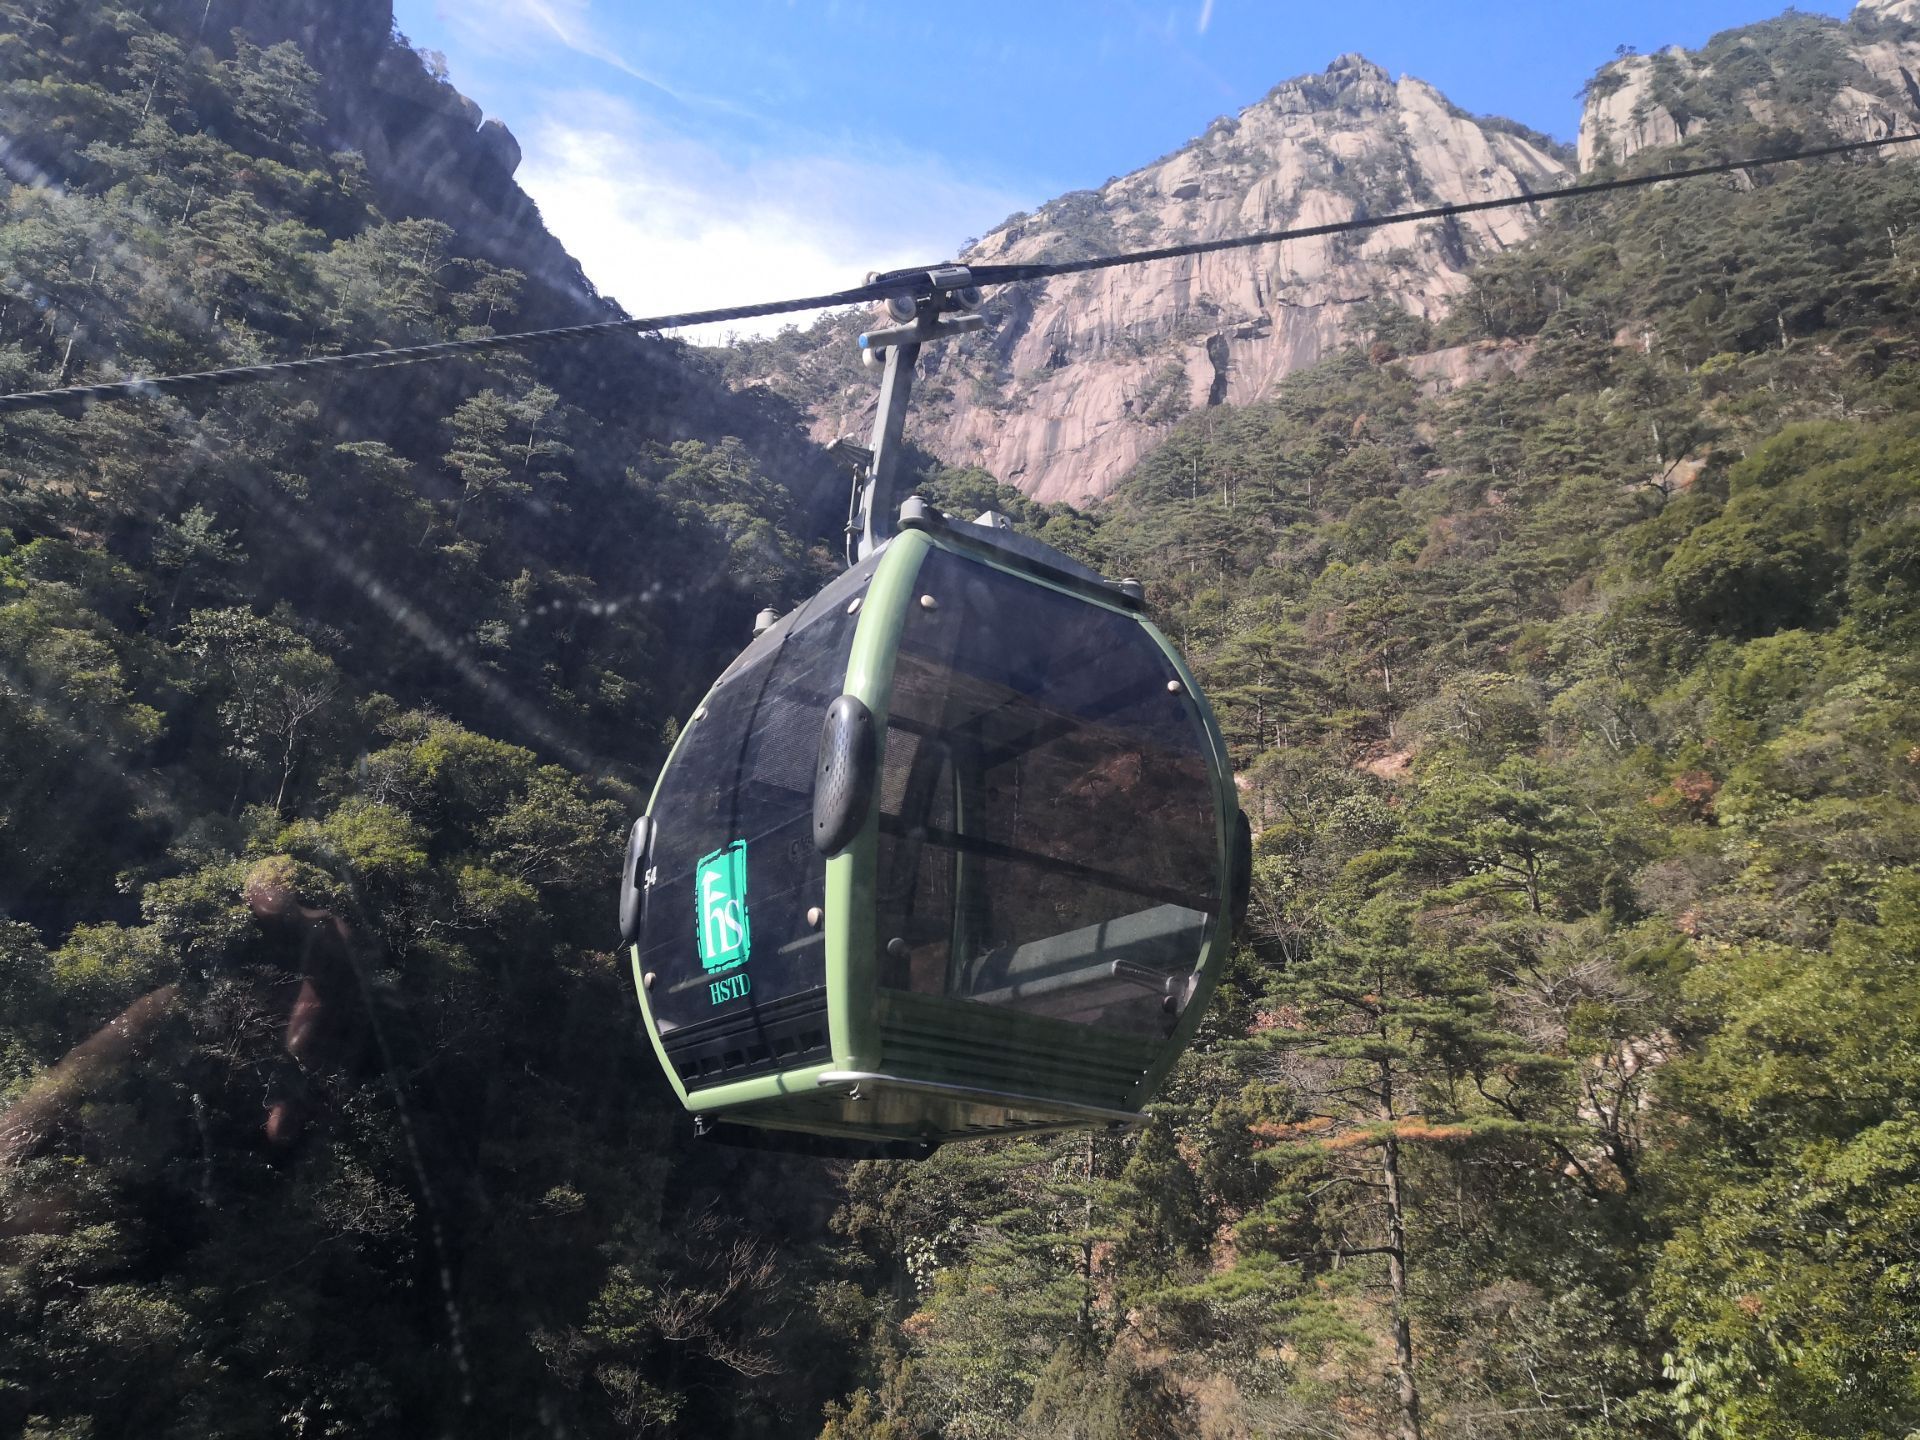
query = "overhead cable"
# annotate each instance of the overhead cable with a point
(1010, 274)
(882, 287)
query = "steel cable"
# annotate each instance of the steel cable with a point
(884, 287)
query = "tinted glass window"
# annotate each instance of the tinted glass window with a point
(1048, 832)
(734, 865)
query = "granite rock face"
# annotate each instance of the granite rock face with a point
(1091, 368)
(1900, 12)
(1079, 377)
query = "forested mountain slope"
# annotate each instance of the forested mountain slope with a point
(1854, 80)
(322, 708)
(1564, 1085)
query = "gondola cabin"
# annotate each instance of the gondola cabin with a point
(950, 850)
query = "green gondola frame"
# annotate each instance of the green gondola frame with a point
(845, 1031)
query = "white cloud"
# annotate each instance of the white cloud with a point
(1206, 16)
(663, 223)
(500, 27)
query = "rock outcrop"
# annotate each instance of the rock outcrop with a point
(430, 153)
(1079, 377)
(1898, 12)
(428, 149)
(1808, 74)
(1622, 118)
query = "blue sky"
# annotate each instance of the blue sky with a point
(693, 152)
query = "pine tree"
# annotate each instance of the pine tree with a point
(1378, 1035)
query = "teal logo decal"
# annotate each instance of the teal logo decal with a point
(720, 909)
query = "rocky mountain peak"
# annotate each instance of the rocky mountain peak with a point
(1358, 66)
(1082, 376)
(1352, 80)
(1810, 74)
(1077, 378)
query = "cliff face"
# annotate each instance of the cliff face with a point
(421, 150)
(1079, 377)
(429, 150)
(1076, 380)
(1085, 371)
(1818, 77)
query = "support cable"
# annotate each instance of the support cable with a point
(892, 285)
(1010, 274)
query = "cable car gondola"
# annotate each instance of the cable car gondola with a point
(952, 849)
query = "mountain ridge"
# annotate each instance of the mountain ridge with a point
(1796, 76)
(1077, 378)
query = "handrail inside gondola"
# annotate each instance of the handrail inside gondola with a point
(1072, 869)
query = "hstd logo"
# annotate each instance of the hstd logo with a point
(720, 908)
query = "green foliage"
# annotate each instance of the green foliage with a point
(1785, 1288)
(272, 689)
(1562, 1076)
(322, 1109)
(1777, 556)
(1576, 716)
(1117, 1402)
(1163, 398)
(752, 516)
